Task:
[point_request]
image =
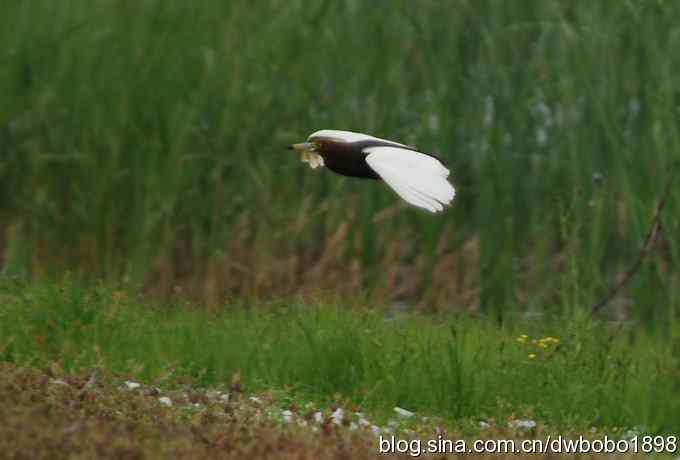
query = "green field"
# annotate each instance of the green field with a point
(569, 373)
(153, 225)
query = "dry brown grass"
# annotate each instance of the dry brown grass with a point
(257, 268)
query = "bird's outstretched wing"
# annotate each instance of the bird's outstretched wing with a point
(416, 177)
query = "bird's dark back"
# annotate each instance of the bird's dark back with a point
(346, 158)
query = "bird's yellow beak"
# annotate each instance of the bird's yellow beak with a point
(303, 147)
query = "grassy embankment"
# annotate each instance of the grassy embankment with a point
(458, 367)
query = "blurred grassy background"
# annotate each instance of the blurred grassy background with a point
(143, 142)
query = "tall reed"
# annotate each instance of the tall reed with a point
(144, 141)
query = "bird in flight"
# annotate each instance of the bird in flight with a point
(418, 178)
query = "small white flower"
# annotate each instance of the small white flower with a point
(225, 397)
(255, 399)
(318, 417)
(541, 136)
(484, 425)
(164, 400)
(287, 416)
(403, 412)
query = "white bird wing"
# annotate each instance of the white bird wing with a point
(416, 177)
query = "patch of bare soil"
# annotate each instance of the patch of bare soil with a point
(48, 416)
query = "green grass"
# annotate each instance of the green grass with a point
(144, 141)
(457, 367)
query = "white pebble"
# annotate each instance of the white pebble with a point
(632, 433)
(337, 416)
(363, 422)
(524, 424)
(403, 412)
(130, 385)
